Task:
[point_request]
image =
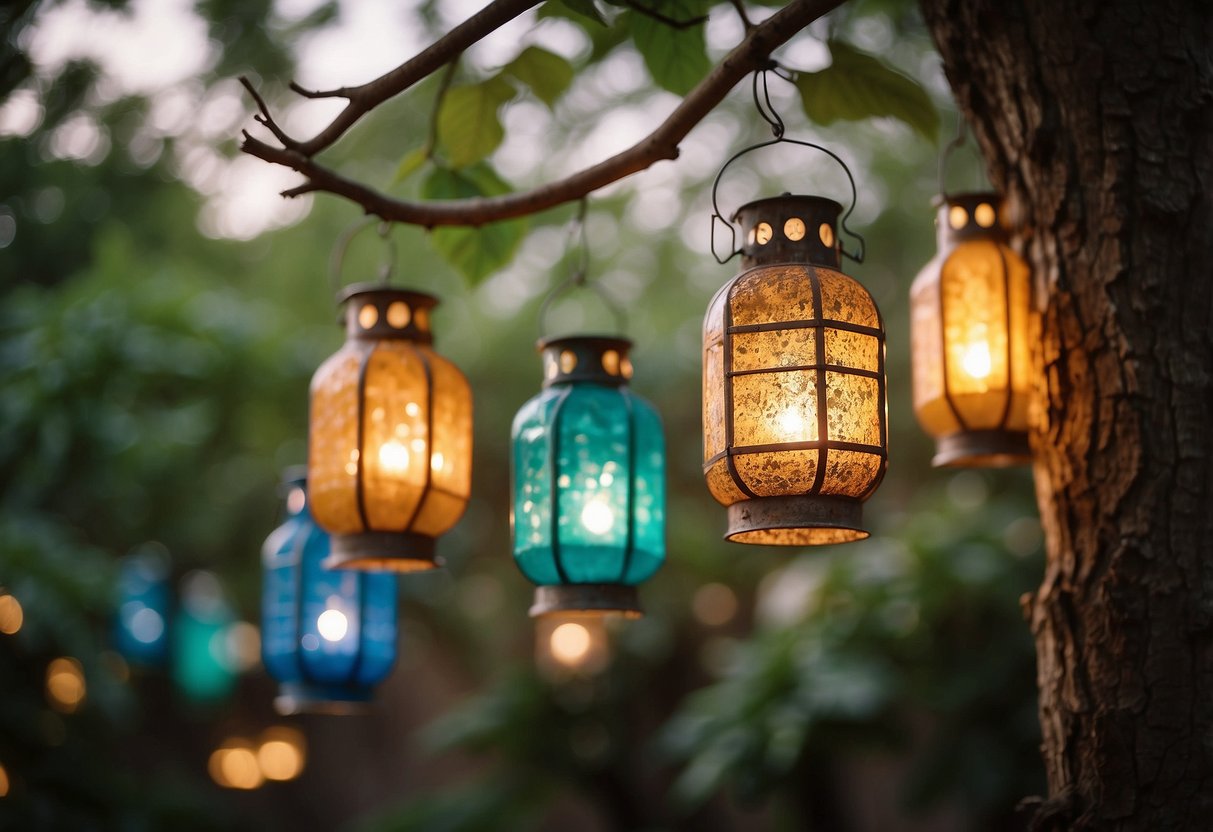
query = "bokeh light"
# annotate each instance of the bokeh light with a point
(714, 604)
(65, 686)
(11, 614)
(282, 753)
(3, 782)
(570, 643)
(234, 765)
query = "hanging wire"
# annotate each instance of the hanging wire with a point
(947, 152)
(579, 277)
(771, 116)
(341, 248)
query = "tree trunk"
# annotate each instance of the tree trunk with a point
(1096, 121)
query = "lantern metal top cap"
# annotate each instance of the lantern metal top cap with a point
(790, 228)
(597, 359)
(380, 290)
(387, 312)
(973, 215)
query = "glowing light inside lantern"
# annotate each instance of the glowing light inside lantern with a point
(393, 457)
(597, 517)
(976, 361)
(332, 625)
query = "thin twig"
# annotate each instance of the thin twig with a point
(741, 12)
(362, 99)
(672, 22)
(751, 54)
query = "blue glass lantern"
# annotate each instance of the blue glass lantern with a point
(589, 482)
(144, 598)
(327, 635)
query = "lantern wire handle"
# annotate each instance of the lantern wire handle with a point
(579, 278)
(947, 152)
(341, 248)
(768, 113)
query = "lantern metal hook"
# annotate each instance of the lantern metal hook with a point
(579, 277)
(341, 247)
(768, 113)
(957, 142)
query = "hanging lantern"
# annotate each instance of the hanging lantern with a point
(328, 636)
(589, 482)
(969, 338)
(390, 436)
(794, 408)
(203, 665)
(144, 598)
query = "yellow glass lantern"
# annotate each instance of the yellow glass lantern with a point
(390, 435)
(794, 406)
(969, 338)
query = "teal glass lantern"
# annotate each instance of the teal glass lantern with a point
(328, 635)
(588, 511)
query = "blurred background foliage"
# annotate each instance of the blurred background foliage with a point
(160, 319)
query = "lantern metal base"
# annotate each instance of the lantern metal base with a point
(982, 449)
(587, 599)
(800, 520)
(382, 552)
(308, 698)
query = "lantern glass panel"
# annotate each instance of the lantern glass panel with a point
(970, 340)
(328, 635)
(390, 436)
(589, 473)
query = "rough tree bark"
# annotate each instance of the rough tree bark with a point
(1096, 120)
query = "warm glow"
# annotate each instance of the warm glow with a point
(65, 685)
(243, 645)
(436, 461)
(570, 643)
(332, 624)
(393, 457)
(235, 766)
(11, 615)
(791, 425)
(597, 517)
(3, 782)
(976, 360)
(281, 754)
(714, 604)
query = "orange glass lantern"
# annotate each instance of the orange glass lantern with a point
(969, 338)
(390, 435)
(794, 407)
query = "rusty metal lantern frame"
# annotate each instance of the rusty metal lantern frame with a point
(806, 517)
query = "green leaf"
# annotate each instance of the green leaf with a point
(857, 85)
(468, 127)
(585, 8)
(475, 252)
(410, 164)
(677, 58)
(546, 73)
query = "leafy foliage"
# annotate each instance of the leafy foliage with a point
(468, 126)
(475, 252)
(856, 86)
(546, 73)
(676, 56)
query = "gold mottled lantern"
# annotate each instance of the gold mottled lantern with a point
(794, 405)
(390, 435)
(969, 338)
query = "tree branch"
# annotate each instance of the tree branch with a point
(752, 53)
(366, 97)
